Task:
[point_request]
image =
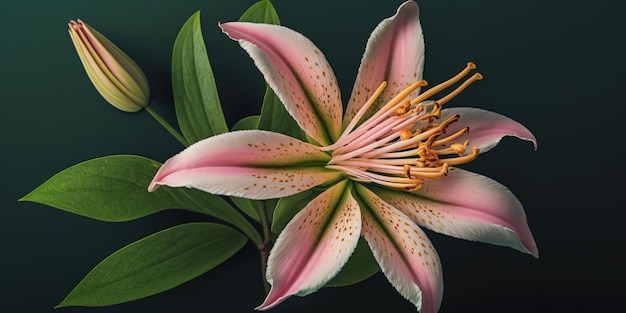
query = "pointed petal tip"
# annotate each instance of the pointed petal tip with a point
(156, 180)
(532, 249)
(153, 186)
(535, 254)
(271, 301)
(262, 307)
(528, 136)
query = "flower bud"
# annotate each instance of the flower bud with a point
(116, 77)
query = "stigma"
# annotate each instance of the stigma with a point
(405, 143)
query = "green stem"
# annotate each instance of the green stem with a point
(266, 246)
(167, 126)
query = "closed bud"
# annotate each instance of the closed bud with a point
(116, 77)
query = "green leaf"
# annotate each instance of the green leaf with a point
(275, 117)
(156, 263)
(247, 206)
(360, 266)
(251, 207)
(270, 206)
(212, 205)
(114, 189)
(246, 123)
(198, 107)
(261, 12)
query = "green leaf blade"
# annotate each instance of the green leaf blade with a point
(115, 189)
(155, 264)
(261, 12)
(247, 206)
(247, 123)
(112, 189)
(274, 117)
(212, 205)
(198, 107)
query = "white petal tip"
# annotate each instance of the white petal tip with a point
(534, 253)
(153, 186)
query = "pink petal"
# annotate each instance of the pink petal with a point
(468, 206)
(394, 53)
(299, 74)
(403, 251)
(486, 128)
(253, 164)
(314, 246)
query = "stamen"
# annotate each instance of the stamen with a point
(434, 90)
(415, 188)
(420, 173)
(455, 148)
(363, 149)
(402, 109)
(399, 146)
(459, 89)
(418, 109)
(429, 135)
(464, 159)
(373, 137)
(388, 109)
(364, 108)
(449, 121)
(389, 181)
(451, 138)
(405, 134)
(407, 170)
(460, 148)
(434, 113)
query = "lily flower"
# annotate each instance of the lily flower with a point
(115, 75)
(388, 167)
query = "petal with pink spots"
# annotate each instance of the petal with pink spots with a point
(299, 74)
(468, 206)
(394, 53)
(314, 246)
(406, 256)
(254, 164)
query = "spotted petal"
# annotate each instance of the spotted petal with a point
(298, 72)
(486, 128)
(394, 53)
(253, 164)
(403, 251)
(314, 246)
(468, 206)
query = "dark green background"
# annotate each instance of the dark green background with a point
(556, 66)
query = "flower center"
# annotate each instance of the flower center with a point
(402, 145)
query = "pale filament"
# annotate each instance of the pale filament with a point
(372, 135)
(384, 112)
(387, 129)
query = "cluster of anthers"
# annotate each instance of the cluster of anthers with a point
(401, 145)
